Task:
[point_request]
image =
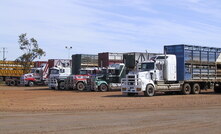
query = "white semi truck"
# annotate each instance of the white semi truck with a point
(185, 68)
(58, 73)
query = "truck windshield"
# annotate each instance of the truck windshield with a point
(54, 71)
(83, 72)
(147, 66)
(32, 70)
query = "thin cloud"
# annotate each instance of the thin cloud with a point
(118, 26)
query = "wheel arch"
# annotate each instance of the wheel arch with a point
(102, 82)
(151, 85)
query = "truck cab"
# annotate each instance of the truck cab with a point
(79, 81)
(108, 79)
(37, 76)
(159, 73)
(57, 76)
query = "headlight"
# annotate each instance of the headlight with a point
(28, 76)
(138, 89)
(124, 89)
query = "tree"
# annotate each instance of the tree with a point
(31, 51)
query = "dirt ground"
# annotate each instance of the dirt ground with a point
(41, 110)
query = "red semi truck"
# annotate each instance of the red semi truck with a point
(37, 76)
(79, 81)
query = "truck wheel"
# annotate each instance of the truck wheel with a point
(30, 83)
(150, 91)
(17, 83)
(80, 86)
(196, 89)
(1, 79)
(103, 88)
(186, 89)
(7, 82)
(12, 83)
(61, 86)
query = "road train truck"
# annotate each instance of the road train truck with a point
(183, 68)
(14, 73)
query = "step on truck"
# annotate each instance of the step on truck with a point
(183, 68)
(108, 79)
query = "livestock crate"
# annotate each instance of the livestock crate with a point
(195, 62)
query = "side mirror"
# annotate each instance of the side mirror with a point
(151, 76)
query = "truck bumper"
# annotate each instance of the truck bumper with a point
(52, 83)
(131, 89)
(53, 86)
(23, 82)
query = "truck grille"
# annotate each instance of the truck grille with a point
(53, 81)
(131, 79)
(91, 82)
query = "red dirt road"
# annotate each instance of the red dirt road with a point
(41, 110)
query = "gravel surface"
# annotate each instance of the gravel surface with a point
(41, 110)
(42, 99)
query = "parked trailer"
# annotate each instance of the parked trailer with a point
(107, 58)
(183, 68)
(12, 71)
(83, 60)
(132, 60)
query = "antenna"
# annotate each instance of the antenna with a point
(147, 55)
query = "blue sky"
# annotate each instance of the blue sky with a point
(93, 26)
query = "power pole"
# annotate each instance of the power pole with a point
(3, 52)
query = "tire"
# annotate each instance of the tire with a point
(103, 88)
(31, 84)
(7, 82)
(61, 86)
(17, 83)
(12, 83)
(186, 89)
(80, 86)
(1, 79)
(150, 91)
(196, 89)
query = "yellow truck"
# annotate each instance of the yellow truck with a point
(11, 71)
